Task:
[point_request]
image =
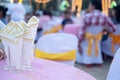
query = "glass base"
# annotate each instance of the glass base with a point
(18, 71)
(15, 69)
(25, 67)
(7, 67)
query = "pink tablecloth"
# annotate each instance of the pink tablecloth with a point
(72, 28)
(46, 70)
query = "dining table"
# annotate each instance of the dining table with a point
(45, 70)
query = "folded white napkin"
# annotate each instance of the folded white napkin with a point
(25, 27)
(12, 32)
(33, 25)
(28, 42)
(12, 38)
(16, 50)
(33, 22)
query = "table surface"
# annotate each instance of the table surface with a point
(46, 70)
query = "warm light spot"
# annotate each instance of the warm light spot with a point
(77, 3)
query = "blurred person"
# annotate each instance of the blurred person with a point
(27, 17)
(110, 45)
(37, 15)
(16, 11)
(67, 18)
(39, 30)
(47, 16)
(114, 18)
(83, 12)
(3, 11)
(117, 9)
(110, 12)
(112, 15)
(90, 37)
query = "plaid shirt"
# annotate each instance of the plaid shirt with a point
(95, 18)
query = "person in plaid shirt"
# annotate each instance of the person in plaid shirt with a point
(93, 24)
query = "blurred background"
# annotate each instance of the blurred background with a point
(34, 5)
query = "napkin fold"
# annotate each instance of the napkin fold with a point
(28, 42)
(32, 25)
(12, 32)
(12, 39)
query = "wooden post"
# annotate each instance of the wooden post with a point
(44, 5)
(73, 5)
(106, 6)
(77, 3)
(41, 1)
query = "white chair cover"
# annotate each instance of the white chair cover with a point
(84, 58)
(106, 46)
(114, 72)
(55, 22)
(58, 43)
(48, 26)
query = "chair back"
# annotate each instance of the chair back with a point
(57, 43)
(60, 47)
(72, 29)
(108, 46)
